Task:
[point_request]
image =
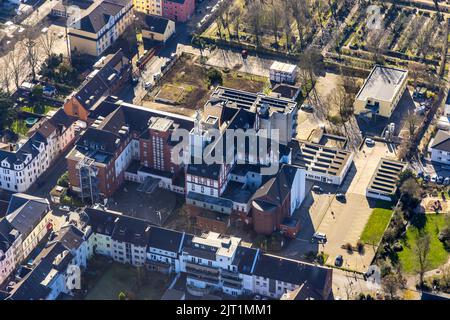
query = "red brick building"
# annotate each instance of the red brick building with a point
(178, 10)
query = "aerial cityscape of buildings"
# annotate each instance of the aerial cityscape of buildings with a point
(224, 150)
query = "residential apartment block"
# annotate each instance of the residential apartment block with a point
(22, 163)
(25, 224)
(125, 142)
(440, 147)
(101, 25)
(110, 74)
(57, 268)
(211, 262)
(177, 10)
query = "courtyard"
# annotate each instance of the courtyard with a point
(106, 280)
(155, 207)
(343, 223)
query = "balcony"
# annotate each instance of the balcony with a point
(207, 279)
(232, 284)
(202, 268)
(230, 275)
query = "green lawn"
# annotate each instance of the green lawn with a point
(437, 256)
(38, 109)
(378, 221)
(124, 278)
(19, 127)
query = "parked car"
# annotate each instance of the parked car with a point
(440, 179)
(433, 178)
(446, 181)
(370, 142)
(147, 85)
(341, 197)
(426, 178)
(320, 237)
(317, 189)
(307, 107)
(339, 261)
(48, 91)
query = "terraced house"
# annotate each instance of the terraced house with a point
(209, 262)
(22, 163)
(26, 223)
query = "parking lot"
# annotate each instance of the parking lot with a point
(155, 207)
(341, 222)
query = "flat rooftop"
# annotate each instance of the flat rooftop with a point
(382, 84)
(283, 67)
(160, 124)
(318, 158)
(385, 178)
(251, 101)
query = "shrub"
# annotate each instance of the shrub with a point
(214, 77)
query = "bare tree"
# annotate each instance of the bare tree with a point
(235, 16)
(14, 60)
(47, 41)
(413, 123)
(300, 12)
(255, 19)
(275, 19)
(5, 74)
(422, 251)
(31, 49)
(392, 283)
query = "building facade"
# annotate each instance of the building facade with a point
(100, 26)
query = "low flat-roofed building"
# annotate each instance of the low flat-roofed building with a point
(283, 72)
(384, 181)
(381, 91)
(322, 163)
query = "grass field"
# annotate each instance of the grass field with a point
(38, 109)
(124, 278)
(437, 256)
(378, 221)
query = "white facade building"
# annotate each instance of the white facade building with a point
(283, 72)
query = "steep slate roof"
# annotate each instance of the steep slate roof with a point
(441, 141)
(295, 272)
(109, 72)
(31, 146)
(155, 23)
(119, 227)
(27, 217)
(165, 239)
(99, 16)
(273, 193)
(54, 258)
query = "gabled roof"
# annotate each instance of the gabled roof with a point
(28, 216)
(441, 141)
(317, 278)
(119, 227)
(155, 24)
(273, 193)
(99, 16)
(109, 72)
(165, 239)
(52, 261)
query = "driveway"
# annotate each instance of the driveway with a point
(341, 222)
